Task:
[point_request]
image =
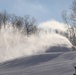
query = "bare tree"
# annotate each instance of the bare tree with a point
(13, 19)
(65, 17)
(16, 21)
(25, 24)
(5, 18)
(73, 13)
(1, 17)
(71, 20)
(29, 25)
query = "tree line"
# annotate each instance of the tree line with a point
(25, 24)
(69, 18)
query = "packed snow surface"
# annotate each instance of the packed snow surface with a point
(57, 63)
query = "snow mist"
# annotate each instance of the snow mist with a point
(13, 44)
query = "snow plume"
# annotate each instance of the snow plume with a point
(53, 25)
(13, 44)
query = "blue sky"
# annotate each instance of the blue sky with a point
(42, 10)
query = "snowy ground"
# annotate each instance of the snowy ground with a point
(55, 63)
